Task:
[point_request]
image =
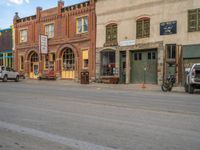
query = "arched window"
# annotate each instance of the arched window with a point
(143, 27)
(111, 35)
(34, 57)
(68, 60)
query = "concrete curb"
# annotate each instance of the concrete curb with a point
(135, 87)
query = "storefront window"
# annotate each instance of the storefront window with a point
(171, 51)
(9, 60)
(68, 60)
(108, 63)
(85, 59)
(34, 58)
(46, 63)
(21, 63)
(1, 59)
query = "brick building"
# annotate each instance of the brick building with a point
(6, 42)
(71, 41)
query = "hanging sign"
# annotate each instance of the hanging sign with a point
(43, 43)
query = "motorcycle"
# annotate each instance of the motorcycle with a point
(168, 83)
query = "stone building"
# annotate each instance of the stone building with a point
(144, 41)
(60, 38)
(6, 47)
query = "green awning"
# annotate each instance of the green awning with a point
(191, 51)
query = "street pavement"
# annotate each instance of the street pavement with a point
(63, 115)
(135, 87)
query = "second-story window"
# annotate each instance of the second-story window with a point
(49, 30)
(23, 36)
(111, 33)
(143, 28)
(82, 25)
(194, 20)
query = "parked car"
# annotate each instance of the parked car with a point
(7, 73)
(192, 78)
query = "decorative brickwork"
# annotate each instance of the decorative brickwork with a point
(64, 20)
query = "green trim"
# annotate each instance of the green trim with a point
(191, 51)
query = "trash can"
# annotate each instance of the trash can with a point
(84, 77)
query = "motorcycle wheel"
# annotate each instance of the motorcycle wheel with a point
(164, 88)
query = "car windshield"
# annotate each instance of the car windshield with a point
(197, 67)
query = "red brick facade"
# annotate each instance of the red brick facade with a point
(65, 37)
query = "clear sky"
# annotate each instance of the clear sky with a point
(25, 8)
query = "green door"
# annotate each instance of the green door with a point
(123, 67)
(144, 67)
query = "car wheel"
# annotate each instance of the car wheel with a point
(17, 79)
(191, 89)
(5, 78)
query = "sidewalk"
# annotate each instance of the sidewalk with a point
(135, 87)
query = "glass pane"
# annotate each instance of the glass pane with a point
(80, 25)
(139, 29)
(85, 24)
(149, 55)
(140, 56)
(108, 63)
(192, 20)
(135, 56)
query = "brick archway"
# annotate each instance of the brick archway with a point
(60, 63)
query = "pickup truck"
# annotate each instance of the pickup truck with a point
(192, 81)
(7, 73)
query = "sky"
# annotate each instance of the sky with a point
(25, 8)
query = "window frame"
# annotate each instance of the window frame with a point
(21, 63)
(169, 51)
(82, 24)
(143, 27)
(23, 36)
(50, 34)
(46, 62)
(85, 59)
(112, 32)
(68, 56)
(109, 66)
(194, 20)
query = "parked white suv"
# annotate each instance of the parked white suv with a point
(193, 78)
(7, 73)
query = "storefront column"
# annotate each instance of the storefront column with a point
(128, 66)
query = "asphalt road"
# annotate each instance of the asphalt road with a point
(47, 116)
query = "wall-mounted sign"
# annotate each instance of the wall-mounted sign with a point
(127, 43)
(167, 28)
(43, 42)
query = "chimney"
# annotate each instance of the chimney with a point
(16, 17)
(38, 12)
(60, 5)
